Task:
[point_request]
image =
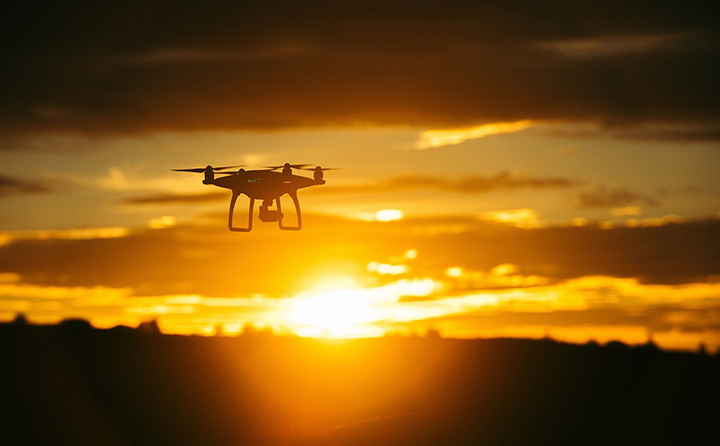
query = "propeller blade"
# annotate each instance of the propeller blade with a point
(202, 169)
(294, 166)
(196, 170)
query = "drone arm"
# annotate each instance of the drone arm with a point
(232, 209)
(294, 197)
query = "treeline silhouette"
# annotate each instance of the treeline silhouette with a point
(72, 384)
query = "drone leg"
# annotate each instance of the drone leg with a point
(232, 209)
(294, 197)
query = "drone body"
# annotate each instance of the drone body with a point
(266, 185)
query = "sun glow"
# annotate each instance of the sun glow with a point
(520, 218)
(166, 221)
(353, 312)
(336, 313)
(382, 215)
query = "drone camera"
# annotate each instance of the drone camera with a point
(269, 215)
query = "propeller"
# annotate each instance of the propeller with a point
(294, 166)
(202, 169)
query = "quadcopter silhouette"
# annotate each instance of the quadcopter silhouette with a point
(262, 184)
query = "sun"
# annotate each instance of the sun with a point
(339, 313)
(340, 308)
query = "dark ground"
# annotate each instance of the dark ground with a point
(71, 384)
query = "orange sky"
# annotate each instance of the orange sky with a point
(547, 171)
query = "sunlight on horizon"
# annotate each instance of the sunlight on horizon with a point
(339, 307)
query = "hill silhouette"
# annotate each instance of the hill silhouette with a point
(72, 384)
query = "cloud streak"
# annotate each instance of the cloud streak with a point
(430, 139)
(603, 197)
(177, 198)
(467, 185)
(11, 186)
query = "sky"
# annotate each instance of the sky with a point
(526, 169)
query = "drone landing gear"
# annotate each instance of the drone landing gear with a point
(297, 212)
(250, 215)
(266, 214)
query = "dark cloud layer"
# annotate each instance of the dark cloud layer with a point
(214, 262)
(603, 197)
(14, 186)
(107, 67)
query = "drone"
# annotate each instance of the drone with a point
(263, 184)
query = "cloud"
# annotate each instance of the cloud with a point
(177, 198)
(521, 218)
(470, 185)
(10, 186)
(619, 45)
(279, 64)
(134, 179)
(603, 197)
(437, 138)
(63, 234)
(653, 131)
(211, 261)
(178, 57)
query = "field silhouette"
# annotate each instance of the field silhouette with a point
(72, 384)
